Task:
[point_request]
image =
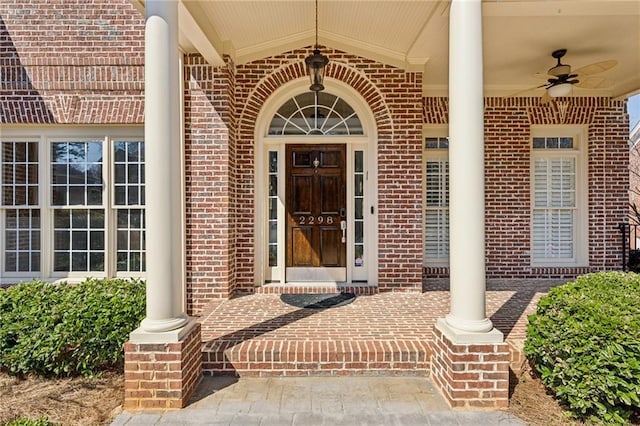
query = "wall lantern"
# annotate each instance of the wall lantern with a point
(316, 63)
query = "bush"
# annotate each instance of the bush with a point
(584, 341)
(23, 421)
(63, 330)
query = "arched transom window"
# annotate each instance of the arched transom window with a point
(313, 113)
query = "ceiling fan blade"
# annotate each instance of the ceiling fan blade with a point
(594, 83)
(596, 68)
(526, 90)
(545, 99)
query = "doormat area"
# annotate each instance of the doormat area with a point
(318, 300)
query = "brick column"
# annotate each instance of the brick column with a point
(163, 362)
(471, 375)
(162, 375)
(470, 361)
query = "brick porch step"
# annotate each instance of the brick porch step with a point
(317, 358)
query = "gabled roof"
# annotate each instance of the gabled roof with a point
(519, 36)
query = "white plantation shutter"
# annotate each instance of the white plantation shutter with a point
(436, 246)
(554, 208)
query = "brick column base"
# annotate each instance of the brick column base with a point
(162, 375)
(471, 375)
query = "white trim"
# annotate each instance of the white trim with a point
(265, 143)
(579, 153)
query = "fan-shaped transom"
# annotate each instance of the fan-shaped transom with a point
(313, 113)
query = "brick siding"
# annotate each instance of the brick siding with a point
(508, 171)
(209, 181)
(471, 375)
(395, 100)
(162, 376)
(76, 63)
(82, 62)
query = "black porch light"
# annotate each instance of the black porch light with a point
(316, 63)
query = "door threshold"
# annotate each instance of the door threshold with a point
(359, 289)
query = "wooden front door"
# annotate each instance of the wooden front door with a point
(316, 212)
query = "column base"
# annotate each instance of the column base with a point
(470, 374)
(155, 326)
(461, 332)
(161, 370)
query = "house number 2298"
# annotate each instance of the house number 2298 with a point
(312, 220)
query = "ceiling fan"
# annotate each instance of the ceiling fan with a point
(562, 78)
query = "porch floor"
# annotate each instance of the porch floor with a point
(379, 334)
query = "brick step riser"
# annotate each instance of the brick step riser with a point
(252, 363)
(421, 372)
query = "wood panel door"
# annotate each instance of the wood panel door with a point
(316, 212)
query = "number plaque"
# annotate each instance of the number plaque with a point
(315, 220)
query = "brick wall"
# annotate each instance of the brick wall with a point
(394, 97)
(209, 168)
(507, 169)
(471, 375)
(162, 375)
(77, 62)
(82, 62)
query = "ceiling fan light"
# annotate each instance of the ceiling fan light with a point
(559, 90)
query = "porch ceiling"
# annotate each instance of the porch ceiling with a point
(519, 36)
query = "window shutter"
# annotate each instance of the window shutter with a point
(437, 209)
(553, 218)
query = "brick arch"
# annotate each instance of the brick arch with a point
(342, 72)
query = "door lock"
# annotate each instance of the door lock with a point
(343, 212)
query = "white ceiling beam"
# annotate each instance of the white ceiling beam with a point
(430, 29)
(203, 39)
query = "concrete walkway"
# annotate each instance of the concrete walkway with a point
(310, 401)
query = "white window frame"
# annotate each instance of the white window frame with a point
(431, 131)
(580, 218)
(45, 136)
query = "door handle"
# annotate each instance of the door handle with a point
(343, 226)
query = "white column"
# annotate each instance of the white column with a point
(162, 134)
(466, 173)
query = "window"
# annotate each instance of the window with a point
(557, 213)
(20, 205)
(128, 185)
(78, 211)
(436, 200)
(273, 208)
(72, 206)
(315, 113)
(358, 202)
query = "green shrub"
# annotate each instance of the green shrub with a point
(24, 421)
(63, 330)
(584, 341)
